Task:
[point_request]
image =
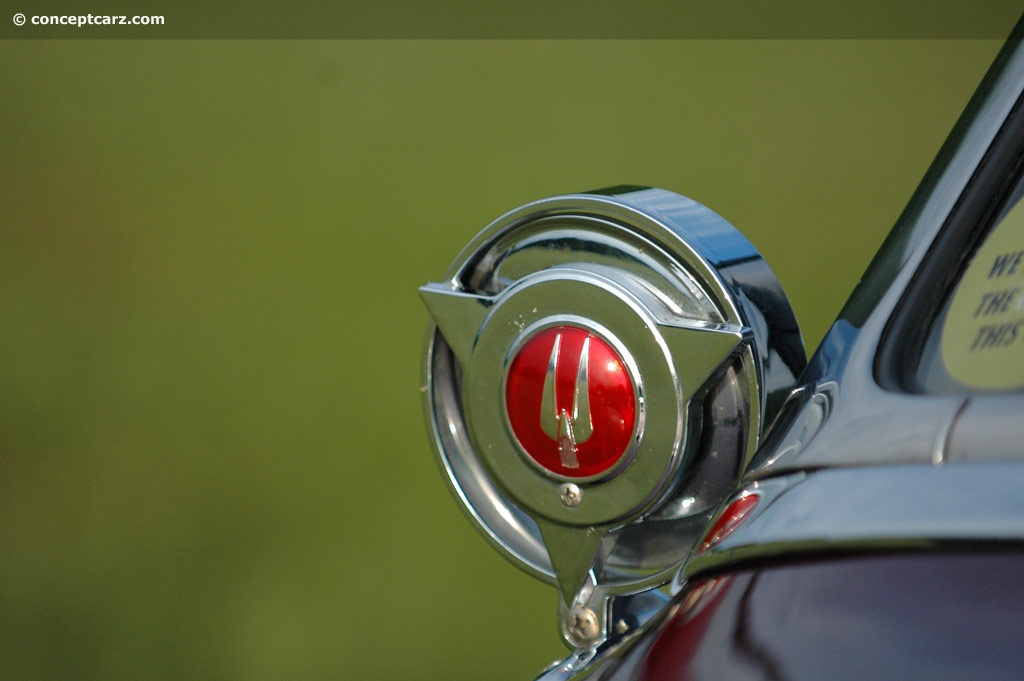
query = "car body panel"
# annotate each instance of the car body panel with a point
(869, 616)
(888, 537)
(878, 531)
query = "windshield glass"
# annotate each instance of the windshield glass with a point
(977, 341)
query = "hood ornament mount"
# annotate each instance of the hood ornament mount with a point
(598, 373)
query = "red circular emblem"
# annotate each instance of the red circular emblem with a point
(571, 402)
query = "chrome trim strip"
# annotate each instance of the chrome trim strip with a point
(881, 507)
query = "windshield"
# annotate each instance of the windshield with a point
(977, 341)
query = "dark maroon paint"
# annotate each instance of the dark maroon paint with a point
(927, 616)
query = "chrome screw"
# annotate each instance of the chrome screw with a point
(582, 626)
(570, 495)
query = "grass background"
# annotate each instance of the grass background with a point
(212, 457)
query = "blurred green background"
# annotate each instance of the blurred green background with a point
(212, 457)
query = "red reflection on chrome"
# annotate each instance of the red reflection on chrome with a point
(734, 514)
(571, 402)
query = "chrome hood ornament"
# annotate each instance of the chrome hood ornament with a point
(599, 373)
(567, 428)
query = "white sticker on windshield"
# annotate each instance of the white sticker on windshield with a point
(983, 335)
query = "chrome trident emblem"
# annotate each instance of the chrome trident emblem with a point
(564, 427)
